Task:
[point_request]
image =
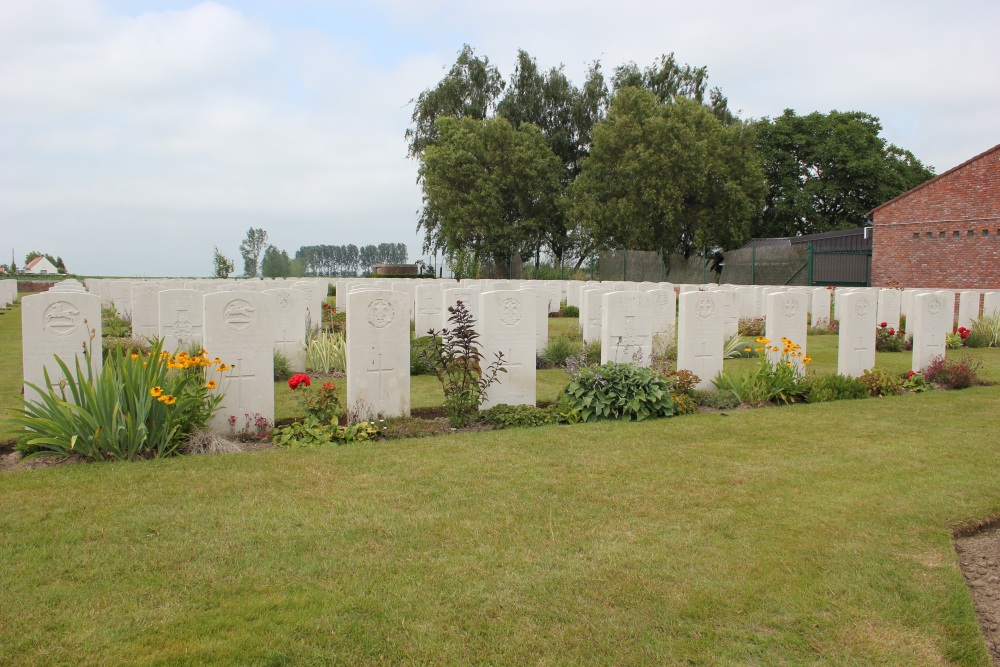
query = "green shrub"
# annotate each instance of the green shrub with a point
(615, 391)
(557, 351)
(419, 360)
(457, 361)
(777, 381)
(569, 311)
(954, 341)
(985, 331)
(959, 373)
(916, 382)
(880, 382)
(113, 325)
(310, 432)
(138, 406)
(888, 339)
(128, 345)
(282, 367)
(515, 416)
(835, 388)
(751, 327)
(326, 352)
(719, 400)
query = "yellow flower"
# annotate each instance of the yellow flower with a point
(223, 368)
(806, 359)
(170, 400)
(156, 391)
(763, 341)
(788, 363)
(202, 353)
(134, 356)
(746, 349)
(211, 384)
(216, 361)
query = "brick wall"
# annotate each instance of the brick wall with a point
(945, 233)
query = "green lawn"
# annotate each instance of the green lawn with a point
(809, 534)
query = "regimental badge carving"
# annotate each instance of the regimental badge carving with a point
(149, 294)
(862, 307)
(284, 300)
(662, 301)
(239, 315)
(934, 307)
(380, 313)
(510, 312)
(61, 318)
(790, 308)
(183, 330)
(705, 307)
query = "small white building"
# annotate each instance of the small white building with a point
(40, 265)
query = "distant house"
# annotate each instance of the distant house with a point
(943, 233)
(40, 265)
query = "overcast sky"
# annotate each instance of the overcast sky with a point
(135, 135)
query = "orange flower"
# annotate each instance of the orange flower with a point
(211, 384)
(156, 392)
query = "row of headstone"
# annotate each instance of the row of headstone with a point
(8, 292)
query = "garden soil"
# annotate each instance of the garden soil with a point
(979, 558)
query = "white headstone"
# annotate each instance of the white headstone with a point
(181, 318)
(427, 309)
(290, 320)
(991, 303)
(378, 354)
(627, 327)
(239, 330)
(856, 339)
(889, 302)
(786, 318)
(968, 308)
(508, 327)
(664, 318)
(469, 296)
(820, 308)
(58, 323)
(930, 320)
(700, 335)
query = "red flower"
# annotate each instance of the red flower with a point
(297, 379)
(911, 374)
(329, 385)
(892, 332)
(884, 325)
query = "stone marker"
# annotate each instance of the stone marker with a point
(968, 308)
(58, 323)
(508, 326)
(181, 319)
(627, 327)
(786, 318)
(856, 340)
(889, 303)
(664, 318)
(469, 296)
(991, 304)
(427, 309)
(820, 308)
(239, 330)
(290, 319)
(378, 354)
(700, 335)
(931, 319)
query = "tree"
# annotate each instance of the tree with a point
(826, 171)
(487, 187)
(251, 248)
(669, 177)
(223, 265)
(669, 80)
(276, 263)
(469, 90)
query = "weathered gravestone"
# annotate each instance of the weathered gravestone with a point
(627, 327)
(700, 335)
(542, 296)
(930, 320)
(591, 305)
(239, 330)
(290, 326)
(427, 309)
(61, 324)
(856, 340)
(664, 314)
(146, 311)
(378, 354)
(968, 308)
(991, 304)
(786, 318)
(820, 308)
(508, 327)
(469, 296)
(889, 303)
(182, 313)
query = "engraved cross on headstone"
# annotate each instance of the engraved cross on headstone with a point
(378, 372)
(240, 377)
(430, 308)
(861, 349)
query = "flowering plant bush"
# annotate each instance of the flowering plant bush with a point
(138, 406)
(616, 391)
(958, 373)
(322, 404)
(916, 382)
(775, 379)
(889, 339)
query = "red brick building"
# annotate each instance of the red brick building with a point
(944, 233)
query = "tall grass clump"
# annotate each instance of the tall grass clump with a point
(326, 352)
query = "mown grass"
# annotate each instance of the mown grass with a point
(10, 358)
(809, 534)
